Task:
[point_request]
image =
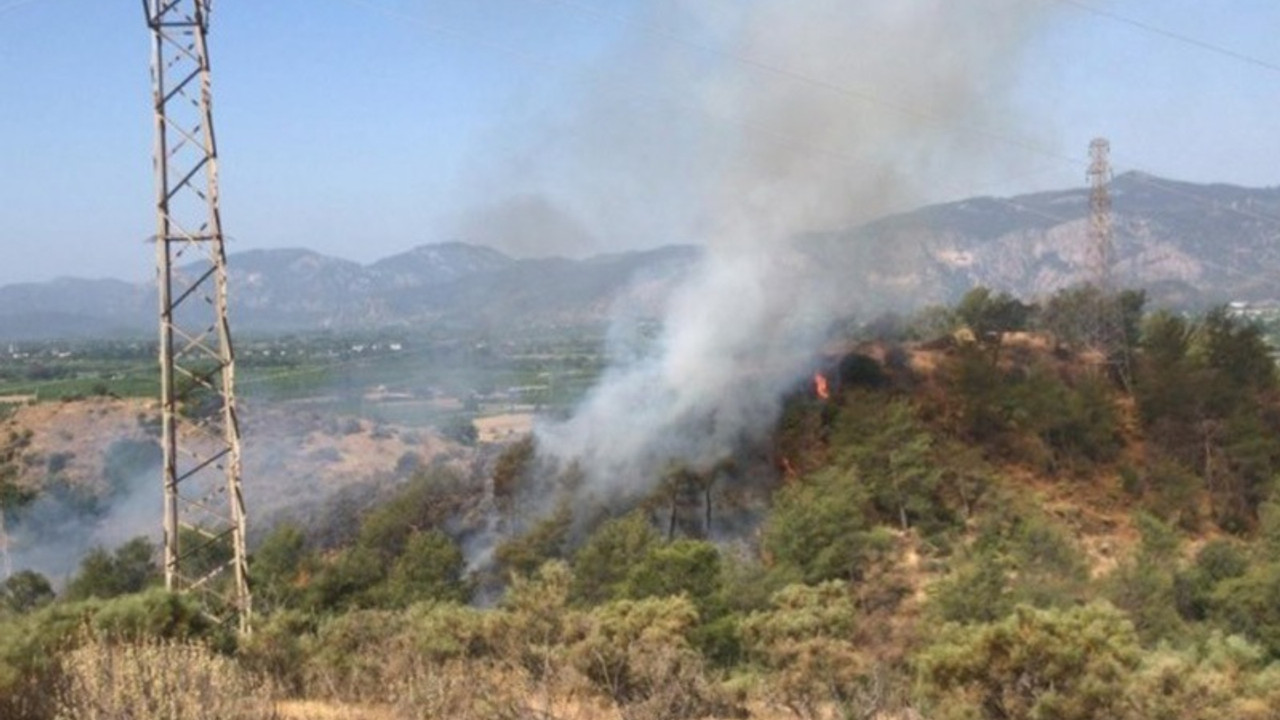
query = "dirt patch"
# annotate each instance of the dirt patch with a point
(504, 428)
(69, 440)
(290, 454)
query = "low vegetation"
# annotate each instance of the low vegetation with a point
(991, 519)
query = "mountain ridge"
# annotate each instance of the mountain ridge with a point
(1188, 244)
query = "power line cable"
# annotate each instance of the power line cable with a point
(1169, 34)
(822, 84)
(867, 97)
(14, 5)
(781, 71)
(1156, 183)
(861, 96)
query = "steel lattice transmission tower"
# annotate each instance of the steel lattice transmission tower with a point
(204, 510)
(1107, 333)
(1101, 247)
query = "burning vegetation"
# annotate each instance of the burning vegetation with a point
(869, 554)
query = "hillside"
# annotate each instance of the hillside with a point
(1189, 245)
(994, 525)
(93, 466)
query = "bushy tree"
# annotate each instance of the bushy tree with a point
(820, 527)
(426, 501)
(430, 568)
(690, 568)
(991, 315)
(546, 540)
(25, 591)
(509, 471)
(978, 591)
(893, 453)
(1204, 392)
(1071, 315)
(602, 564)
(106, 575)
(345, 580)
(1218, 560)
(1249, 605)
(279, 566)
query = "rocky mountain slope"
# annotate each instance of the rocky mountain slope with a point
(1187, 244)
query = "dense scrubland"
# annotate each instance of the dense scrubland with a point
(986, 519)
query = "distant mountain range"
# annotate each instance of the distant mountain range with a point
(298, 290)
(1187, 244)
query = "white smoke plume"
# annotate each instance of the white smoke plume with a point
(806, 116)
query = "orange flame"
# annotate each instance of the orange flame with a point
(820, 386)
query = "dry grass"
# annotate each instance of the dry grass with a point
(157, 681)
(315, 710)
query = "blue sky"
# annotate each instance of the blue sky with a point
(361, 128)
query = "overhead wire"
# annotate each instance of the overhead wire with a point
(1169, 34)
(819, 83)
(867, 97)
(14, 5)
(1152, 181)
(781, 139)
(858, 95)
(782, 71)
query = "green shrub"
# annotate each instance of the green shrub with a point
(360, 656)
(1217, 561)
(1250, 605)
(106, 575)
(1069, 664)
(278, 566)
(684, 567)
(1223, 677)
(25, 591)
(157, 615)
(820, 528)
(535, 621)
(978, 592)
(805, 642)
(345, 581)
(602, 564)
(1143, 585)
(276, 649)
(638, 654)
(430, 568)
(445, 631)
(546, 540)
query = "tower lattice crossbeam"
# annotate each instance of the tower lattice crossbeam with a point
(1106, 334)
(204, 509)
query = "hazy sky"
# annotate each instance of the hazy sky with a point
(360, 128)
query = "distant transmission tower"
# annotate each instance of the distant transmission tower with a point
(1107, 334)
(1101, 249)
(204, 511)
